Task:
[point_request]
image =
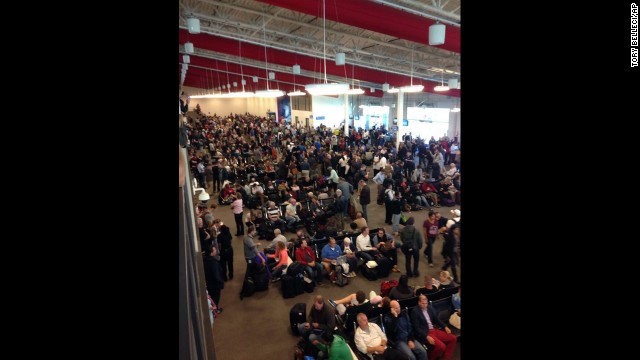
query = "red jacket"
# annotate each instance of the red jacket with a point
(300, 255)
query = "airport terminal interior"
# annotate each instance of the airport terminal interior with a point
(287, 110)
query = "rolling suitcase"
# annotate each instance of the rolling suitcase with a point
(297, 316)
(288, 286)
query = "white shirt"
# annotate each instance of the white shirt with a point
(363, 243)
(370, 338)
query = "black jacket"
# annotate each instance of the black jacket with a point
(365, 195)
(419, 323)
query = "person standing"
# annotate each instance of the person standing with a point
(451, 250)
(211, 263)
(411, 245)
(238, 211)
(430, 232)
(251, 253)
(365, 197)
(226, 250)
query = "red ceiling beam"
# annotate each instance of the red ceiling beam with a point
(375, 17)
(280, 57)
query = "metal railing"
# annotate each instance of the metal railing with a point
(195, 330)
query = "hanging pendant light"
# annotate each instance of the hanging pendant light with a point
(436, 34)
(188, 47)
(193, 24)
(268, 93)
(326, 88)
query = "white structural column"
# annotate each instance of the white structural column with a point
(346, 114)
(400, 116)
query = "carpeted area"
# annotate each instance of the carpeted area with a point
(258, 326)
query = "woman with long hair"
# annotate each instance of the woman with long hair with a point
(403, 290)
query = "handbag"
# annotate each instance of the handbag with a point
(455, 320)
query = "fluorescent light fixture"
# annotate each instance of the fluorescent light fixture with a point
(355, 92)
(241, 94)
(412, 88)
(297, 93)
(269, 93)
(327, 89)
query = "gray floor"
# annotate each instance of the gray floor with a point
(259, 325)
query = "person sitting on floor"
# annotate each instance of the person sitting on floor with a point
(333, 345)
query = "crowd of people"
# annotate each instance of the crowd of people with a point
(285, 175)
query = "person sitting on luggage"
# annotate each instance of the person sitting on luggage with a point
(403, 290)
(363, 244)
(329, 254)
(321, 318)
(273, 214)
(371, 340)
(386, 244)
(333, 345)
(282, 261)
(306, 256)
